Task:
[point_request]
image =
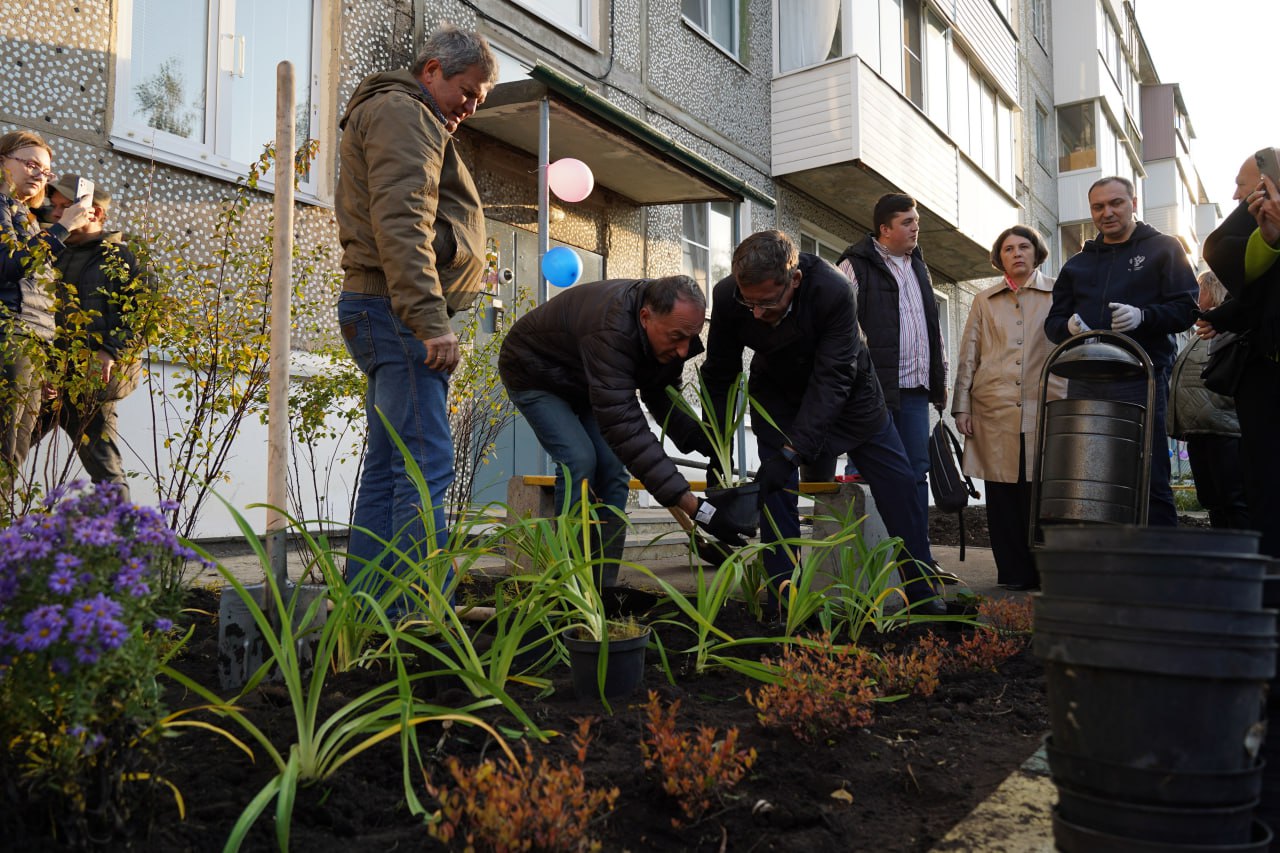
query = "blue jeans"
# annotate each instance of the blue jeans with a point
(414, 399)
(572, 439)
(883, 464)
(911, 420)
(1161, 511)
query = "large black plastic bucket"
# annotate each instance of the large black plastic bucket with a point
(624, 668)
(1157, 656)
(1136, 565)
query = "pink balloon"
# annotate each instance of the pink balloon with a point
(570, 179)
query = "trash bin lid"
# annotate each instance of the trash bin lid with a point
(1095, 360)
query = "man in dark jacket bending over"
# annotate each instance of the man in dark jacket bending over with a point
(573, 365)
(1135, 280)
(812, 374)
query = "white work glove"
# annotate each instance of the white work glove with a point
(1124, 318)
(1075, 325)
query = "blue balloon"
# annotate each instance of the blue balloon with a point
(561, 266)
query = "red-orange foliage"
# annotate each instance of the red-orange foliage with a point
(695, 768)
(823, 690)
(501, 807)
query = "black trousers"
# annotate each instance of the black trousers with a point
(1008, 519)
(1215, 463)
(1258, 405)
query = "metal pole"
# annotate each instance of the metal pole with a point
(281, 287)
(544, 215)
(544, 192)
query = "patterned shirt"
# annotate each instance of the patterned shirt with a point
(913, 332)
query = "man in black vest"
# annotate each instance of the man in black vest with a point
(811, 373)
(899, 316)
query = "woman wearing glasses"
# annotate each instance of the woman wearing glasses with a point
(26, 303)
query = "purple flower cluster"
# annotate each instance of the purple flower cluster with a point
(77, 579)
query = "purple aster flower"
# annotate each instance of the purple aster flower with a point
(80, 626)
(66, 561)
(163, 624)
(87, 654)
(60, 666)
(62, 581)
(113, 633)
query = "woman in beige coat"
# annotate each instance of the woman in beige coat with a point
(997, 395)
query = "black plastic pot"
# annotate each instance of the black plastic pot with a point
(1182, 824)
(1135, 565)
(1154, 785)
(742, 503)
(624, 664)
(1070, 837)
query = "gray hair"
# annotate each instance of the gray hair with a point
(1115, 179)
(1210, 284)
(764, 256)
(662, 294)
(457, 50)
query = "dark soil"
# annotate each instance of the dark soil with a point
(915, 772)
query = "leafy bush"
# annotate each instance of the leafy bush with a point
(824, 689)
(504, 807)
(696, 769)
(81, 640)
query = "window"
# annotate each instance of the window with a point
(891, 41)
(717, 18)
(935, 69)
(196, 79)
(1076, 135)
(707, 241)
(912, 53)
(1040, 22)
(1053, 262)
(809, 32)
(572, 16)
(820, 247)
(1041, 140)
(1073, 237)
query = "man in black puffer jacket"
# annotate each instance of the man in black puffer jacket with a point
(811, 373)
(97, 288)
(573, 365)
(1135, 280)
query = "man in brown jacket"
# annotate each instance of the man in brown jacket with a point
(412, 233)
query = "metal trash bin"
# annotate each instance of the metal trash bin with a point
(1093, 457)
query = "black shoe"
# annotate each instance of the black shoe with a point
(949, 578)
(932, 607)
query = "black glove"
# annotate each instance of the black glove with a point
(775, 472)
(719, 525)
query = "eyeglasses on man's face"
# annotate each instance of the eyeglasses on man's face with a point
(765, 304)
(35, 168)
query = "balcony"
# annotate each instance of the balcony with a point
(845, 137)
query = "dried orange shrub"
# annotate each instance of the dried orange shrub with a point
(504, 808)
(915, 671)
(823, 690)
(695, 767)
(1008, 615)
(985, 649)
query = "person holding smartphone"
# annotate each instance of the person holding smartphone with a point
(1243, 252)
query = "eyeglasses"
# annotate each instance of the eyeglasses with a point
(766, 304)
(35, 168)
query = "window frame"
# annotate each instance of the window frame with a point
(732, 210)
(212, 157)
(705, 29)
(586, 11)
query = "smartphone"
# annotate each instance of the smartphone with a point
(1268, 160)
(84, 187)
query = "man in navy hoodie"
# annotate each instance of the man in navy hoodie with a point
(1135, 280)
